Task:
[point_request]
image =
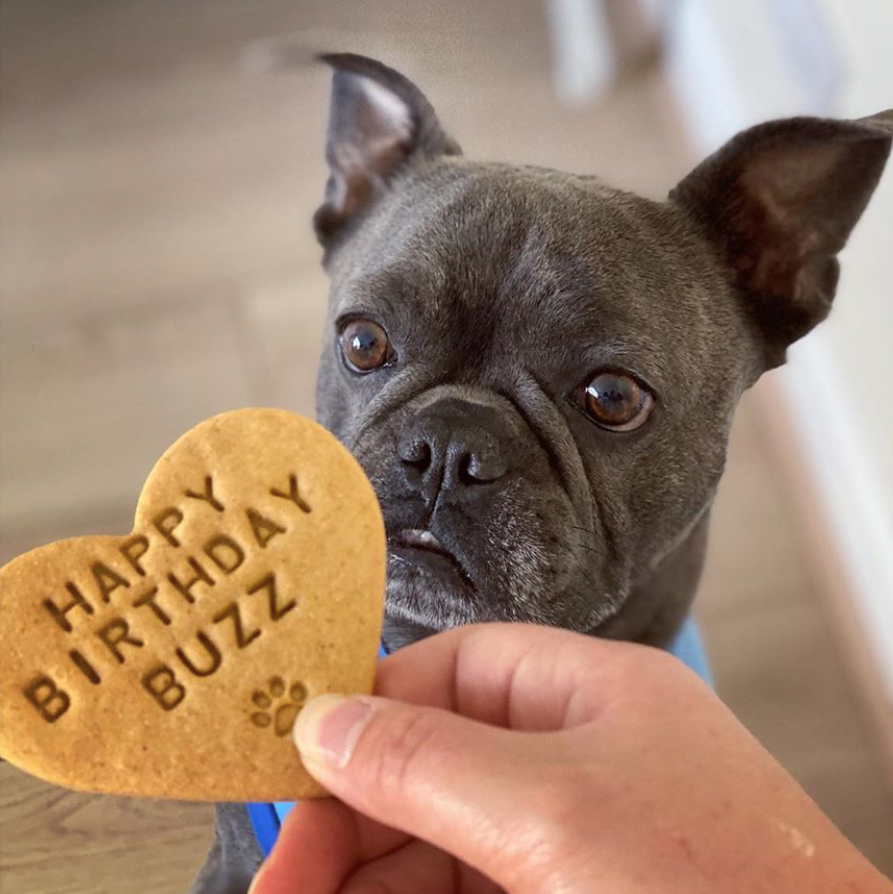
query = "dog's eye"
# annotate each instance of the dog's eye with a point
(365, 346)
(615, 400)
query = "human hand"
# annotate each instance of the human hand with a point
(535, 760)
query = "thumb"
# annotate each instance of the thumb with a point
(461, 785)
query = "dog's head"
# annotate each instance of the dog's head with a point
(538, 372)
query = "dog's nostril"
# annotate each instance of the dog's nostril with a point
(475, 468)
(414, 452)
(463, 467)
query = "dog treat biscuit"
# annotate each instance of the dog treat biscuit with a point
(172, 662)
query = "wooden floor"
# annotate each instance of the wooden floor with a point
(156, 186)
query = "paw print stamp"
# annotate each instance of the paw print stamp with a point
(278, 708)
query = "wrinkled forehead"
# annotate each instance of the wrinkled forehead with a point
(498, 236)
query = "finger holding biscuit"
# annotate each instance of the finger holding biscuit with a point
(527, 759)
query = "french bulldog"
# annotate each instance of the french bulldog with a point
(538, 372)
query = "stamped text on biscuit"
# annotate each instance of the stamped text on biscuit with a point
(145, 607)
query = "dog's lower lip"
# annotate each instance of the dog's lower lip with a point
(422, 539)
(415, 540)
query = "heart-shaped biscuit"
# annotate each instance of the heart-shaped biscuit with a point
(172, 662)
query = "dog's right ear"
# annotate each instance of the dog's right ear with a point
(379, 122)
(779, 202)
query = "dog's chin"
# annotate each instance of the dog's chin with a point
(425, 591)
(438, 580)
(431, 592)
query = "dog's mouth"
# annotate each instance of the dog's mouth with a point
(420, 539)
(421, 548)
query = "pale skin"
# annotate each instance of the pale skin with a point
(529, 759)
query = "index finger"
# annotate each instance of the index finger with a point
(321, 843)
(517, 676)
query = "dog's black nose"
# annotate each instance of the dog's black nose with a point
(452, 444)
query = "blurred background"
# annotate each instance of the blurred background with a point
(160, 164)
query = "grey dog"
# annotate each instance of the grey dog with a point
(539, 372)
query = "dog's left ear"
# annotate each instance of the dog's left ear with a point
(779, 201)
(379, 122)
